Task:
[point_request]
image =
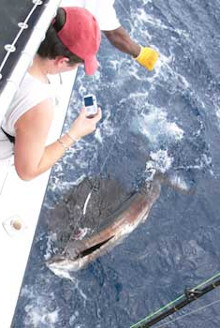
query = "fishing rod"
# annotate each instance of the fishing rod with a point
(188, 297)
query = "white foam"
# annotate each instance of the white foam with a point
(155, 125)
(160, 161)
(142, 16)
(50, 245)
(36, 316)
(37, 309)
(73, 318)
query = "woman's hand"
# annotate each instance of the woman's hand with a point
(32, 157)
(83, 125)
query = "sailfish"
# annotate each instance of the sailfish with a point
(111, 215)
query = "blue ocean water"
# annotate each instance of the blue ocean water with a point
(167, 120)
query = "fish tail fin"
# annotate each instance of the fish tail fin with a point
(174, 181)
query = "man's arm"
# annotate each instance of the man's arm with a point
(121, 40)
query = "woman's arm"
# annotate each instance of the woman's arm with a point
(32, 157)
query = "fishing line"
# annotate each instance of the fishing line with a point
(187, 314)
(126, 11)
(167, 306)
(104, 163)
(111, 149)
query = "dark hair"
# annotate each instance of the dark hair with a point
(52, 46)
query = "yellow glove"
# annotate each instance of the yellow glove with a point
(147, 58)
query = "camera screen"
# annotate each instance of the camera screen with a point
(88, 101)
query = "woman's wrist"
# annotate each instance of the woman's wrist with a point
(67, 140)
(63, 144)
(72, 136)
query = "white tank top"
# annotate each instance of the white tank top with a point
(30, 93)
(103, 10)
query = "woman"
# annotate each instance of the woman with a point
(72, 39)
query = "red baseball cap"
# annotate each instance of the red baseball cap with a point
(81, 35)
